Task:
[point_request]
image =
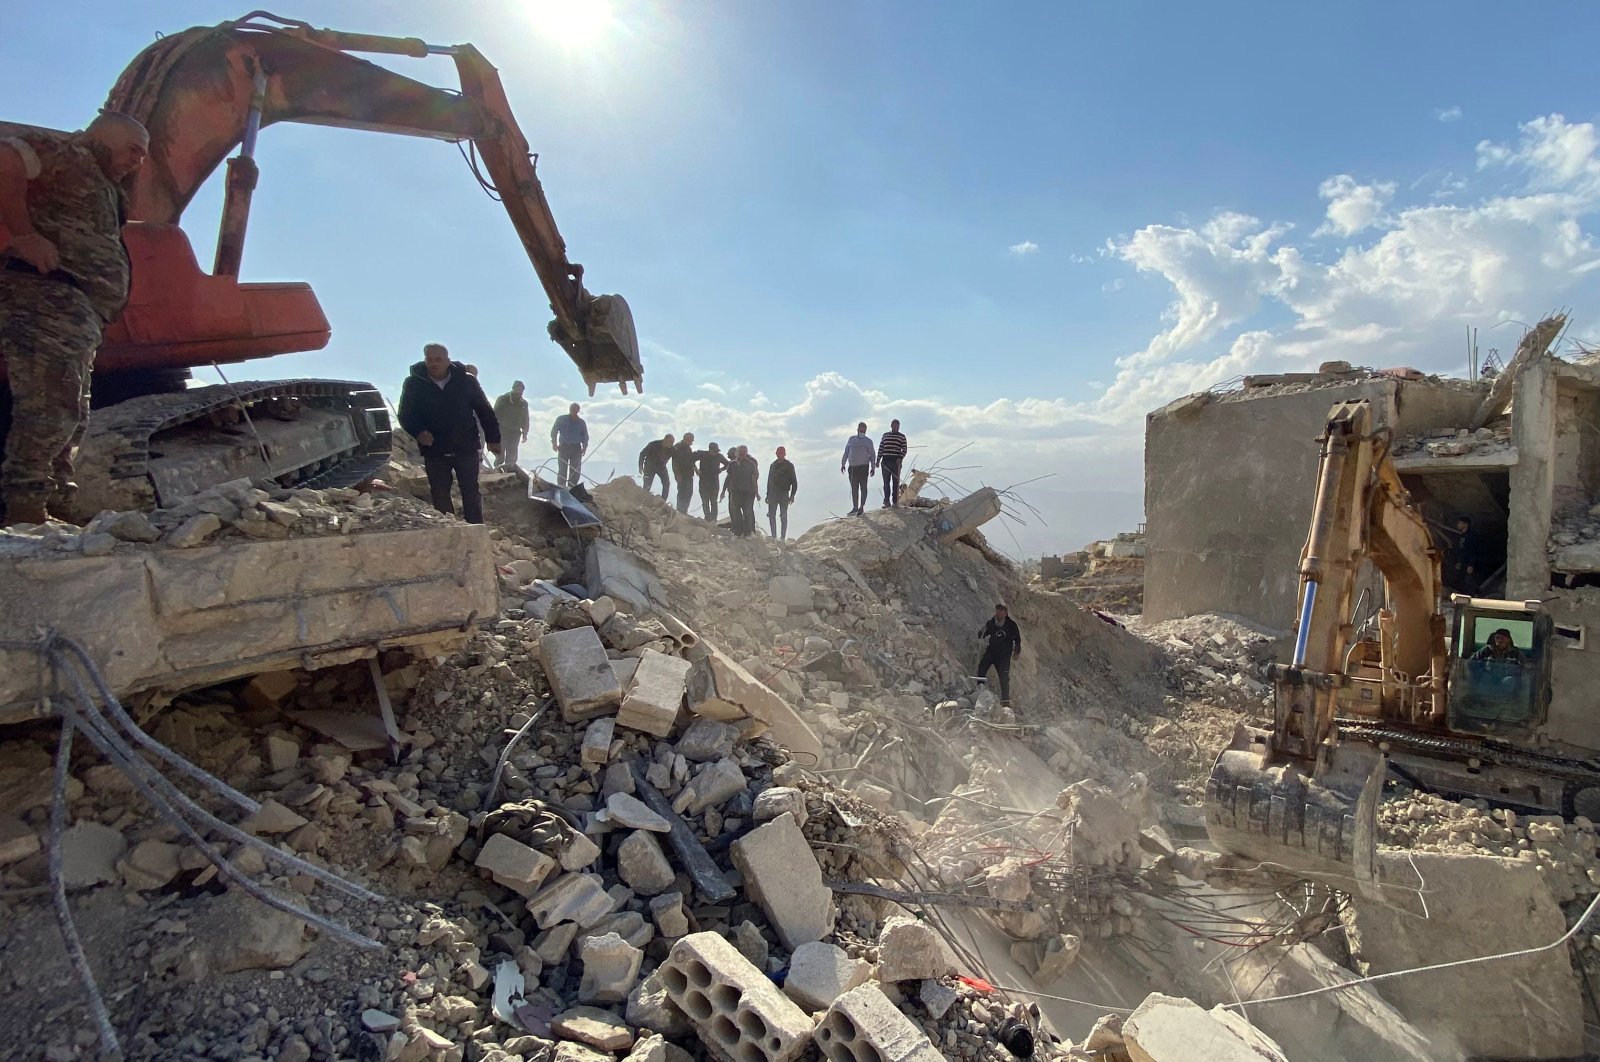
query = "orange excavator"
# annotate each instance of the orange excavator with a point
(204, 93)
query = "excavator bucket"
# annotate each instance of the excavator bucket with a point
(608, 352)
(1278, 815)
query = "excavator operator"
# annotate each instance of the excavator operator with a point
(63, 276)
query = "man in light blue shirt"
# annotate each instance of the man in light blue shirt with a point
(569, 438)
(861, 461)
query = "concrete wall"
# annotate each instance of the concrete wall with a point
(1229, 485)
(1532, 481)
(1574, 671)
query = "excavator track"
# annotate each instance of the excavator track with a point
(151, 450)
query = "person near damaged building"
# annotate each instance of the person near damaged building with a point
(443, 407)
(683, 471)
(64, 276)
(891, 454)
(511, 410)
(654, 460)
(569, 438)
(743, 488)
(782, 486)
(1002, 640)
(1463, 574)
(710, 464)
(860, 461)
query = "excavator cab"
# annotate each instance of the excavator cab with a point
(1499, 665)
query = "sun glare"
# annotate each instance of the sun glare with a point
(573, 23)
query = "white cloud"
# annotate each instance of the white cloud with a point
(1025, 247)
(1113, 285)
(1448, 114)
(1352, 206)
(716, 389)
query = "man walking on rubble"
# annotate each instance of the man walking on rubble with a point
(511, 410)
(861, 461)
(63, 277)
(711, 465)
(891, 453)
(782, 486)
(569, 438)
(653, 462)
(1003, 640)
(442, 406)
(683, 471)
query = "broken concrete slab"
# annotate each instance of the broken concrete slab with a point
(656, 695)
(967, 515)
(149, 865)
(720, 688)
(610, 969)
(625, 577)
(160, 619)
(705, 740)
(598, 1028)
(862, 1023)
(89, 854)
(666, 911)
(580, 898)
(515, 865)
(1527, 1007)
(908, 950)
(782, 876)
(623, 809)
(820, 973)
(596, 749)
(715, 783)
(643, 866)
(579, 672)
(1171, 1029)
(781, 800)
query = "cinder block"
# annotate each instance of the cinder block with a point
(736, 1010)
(579, 672)
(863, 1026)
(782, 876)
(656, 695)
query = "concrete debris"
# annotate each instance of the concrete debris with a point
(598, 1028)
(513, 864)
(610, 969)
(655, 696)
(735, 1008)
(643, 866)
(783, 878)
(909, 950)
(623, 809)
(862, 1024)
(89, 854)
(820, 973)
(1168, 1029)
(579, 672)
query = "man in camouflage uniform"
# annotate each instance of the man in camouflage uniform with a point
(63, 275)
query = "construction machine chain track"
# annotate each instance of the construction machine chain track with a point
(117, 447)
(1487, 751)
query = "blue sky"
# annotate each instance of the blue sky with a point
(1020, 226)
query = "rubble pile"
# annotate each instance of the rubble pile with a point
(1457, 442)
(1574, 543)
(229, 511)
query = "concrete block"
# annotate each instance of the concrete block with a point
(707, 739)
(610, 969)
(781, 800)
(714, 784)
(580, 898)
(513, 864)
(150, 864)
(736, 1009)
(625, 668)
(653, 701)
(596, 749)
(579, 672)
(782, 876)
(282, 752)
(863, 1026)
(666, 910)
(598, 1028)
(967, 515)
(820, 973)
(628, 579)
(624, 809)
(1169, 1029)
(643, 866)
(908, 950)
(791, 591)
(1528, 1007)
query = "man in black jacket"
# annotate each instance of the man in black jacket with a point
(653, 461)
(782, 486)
(683, 471)
(711, 464)
(1002, 640)
(442, 407)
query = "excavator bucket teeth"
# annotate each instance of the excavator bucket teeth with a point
(1278, 816)
(609, 349)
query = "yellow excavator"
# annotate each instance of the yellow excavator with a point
(1440, 692)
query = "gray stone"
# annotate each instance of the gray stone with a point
(596, 748)
(908, 950)
(643, 865)
(623, 809)
(715, 783)
(625, 577)
(610, 969)
(579, 852)
(937, 998)
(89, 854)
(96, 544)
(782, 876)
(820, 973)
(374, 1020)
(595, 1027)
(666, 910)
(707, 739)
(656, 696)
(195, 530)
(780, 800)
(272, 818)
(551, 946)
(617, 779)
(579, 672)
(127, 527)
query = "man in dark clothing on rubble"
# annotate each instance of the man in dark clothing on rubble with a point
(710, 463)
(683, 471)
(442, 406)
(653, 462)
(743, 488)
(782, 486)
(1003, 640)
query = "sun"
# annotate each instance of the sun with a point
(573, 23)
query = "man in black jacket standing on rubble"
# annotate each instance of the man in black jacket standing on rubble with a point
(1003, 640)
(442, 406)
